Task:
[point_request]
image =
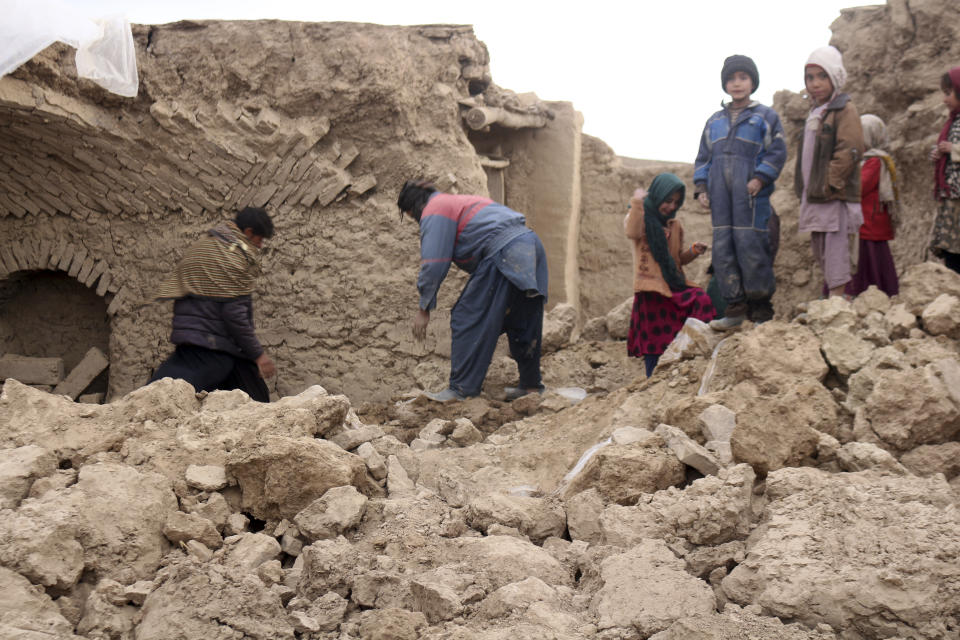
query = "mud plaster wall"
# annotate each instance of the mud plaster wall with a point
(318, 122)
(894, 55)
(606, 256)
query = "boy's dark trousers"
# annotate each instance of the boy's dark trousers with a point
(742, 256)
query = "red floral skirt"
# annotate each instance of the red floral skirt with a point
(657, 320)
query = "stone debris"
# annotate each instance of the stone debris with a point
(942, 316)
(93, 363)
(376, 464)
(206, 477)
(19, 469)
(181, 527)
(687, 451)
(829, 445)
(335, 512)
(559, 325)
(31, 370)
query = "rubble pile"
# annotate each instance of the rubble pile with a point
(794, 480)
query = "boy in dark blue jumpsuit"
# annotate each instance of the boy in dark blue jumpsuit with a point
(742, 152)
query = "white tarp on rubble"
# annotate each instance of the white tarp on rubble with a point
(105, 52)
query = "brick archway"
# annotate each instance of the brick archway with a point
(72, 259)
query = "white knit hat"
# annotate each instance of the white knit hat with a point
(831, 60)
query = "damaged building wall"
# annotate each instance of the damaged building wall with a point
(320, 123)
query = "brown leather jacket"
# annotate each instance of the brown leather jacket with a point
(837, 152)
(647, 275)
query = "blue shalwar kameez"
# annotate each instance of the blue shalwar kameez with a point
(506, 291)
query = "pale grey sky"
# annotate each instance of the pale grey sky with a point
(645, 75)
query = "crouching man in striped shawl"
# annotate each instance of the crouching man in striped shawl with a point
(212, 284)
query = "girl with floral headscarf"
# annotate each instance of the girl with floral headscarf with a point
(946, 156)
(663, 298)
(827, 177)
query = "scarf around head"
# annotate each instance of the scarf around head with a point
(940, 170)
(875, 139)
(654, 222)
(222, 264)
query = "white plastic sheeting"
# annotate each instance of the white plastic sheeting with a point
(105, 52)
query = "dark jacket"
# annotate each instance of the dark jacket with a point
(837, 153)
(221, 325)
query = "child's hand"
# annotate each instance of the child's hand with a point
(934, 153)
(640, 194)
(704, 200)
(945, 147)
(699, 248)
(754, 186)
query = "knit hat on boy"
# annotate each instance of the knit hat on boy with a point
(739, 63)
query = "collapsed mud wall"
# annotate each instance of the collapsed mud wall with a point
(606, 256)
(320, 123)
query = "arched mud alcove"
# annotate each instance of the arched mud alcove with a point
(51, 315)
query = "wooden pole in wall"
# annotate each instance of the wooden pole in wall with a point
(480, 117)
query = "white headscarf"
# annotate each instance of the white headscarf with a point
(831, 60)
(875, 138)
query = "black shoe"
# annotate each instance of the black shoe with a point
(760, 310)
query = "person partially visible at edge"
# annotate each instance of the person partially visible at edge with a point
(212, 286)
(827, 178)
(742, 152)
(945, 243)
(663, 298)
(506, 291)
(878, 200)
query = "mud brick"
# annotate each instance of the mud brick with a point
(303, 165)
(332, 187)
(119, 178)
(20, 255)
(83, 374)
(214, 182)
(24, 201)
(117, 302)
(362, 184)
(347, 156)
(285, 193)
(266, 176)
(129, 162)
(53, 201)
(283, 172)
(43, 253)
(9, 207)
(248, 193)
(91, 398)
(253, 173)
(98, 270)
(66, 257)
(9, 262)
(77, 263)
(57, 253)
(30, 370)
(85, 270)
(263, 195)
(89, 159)
(293, 140)
(104, 285)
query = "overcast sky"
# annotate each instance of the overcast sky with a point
(645, 75)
